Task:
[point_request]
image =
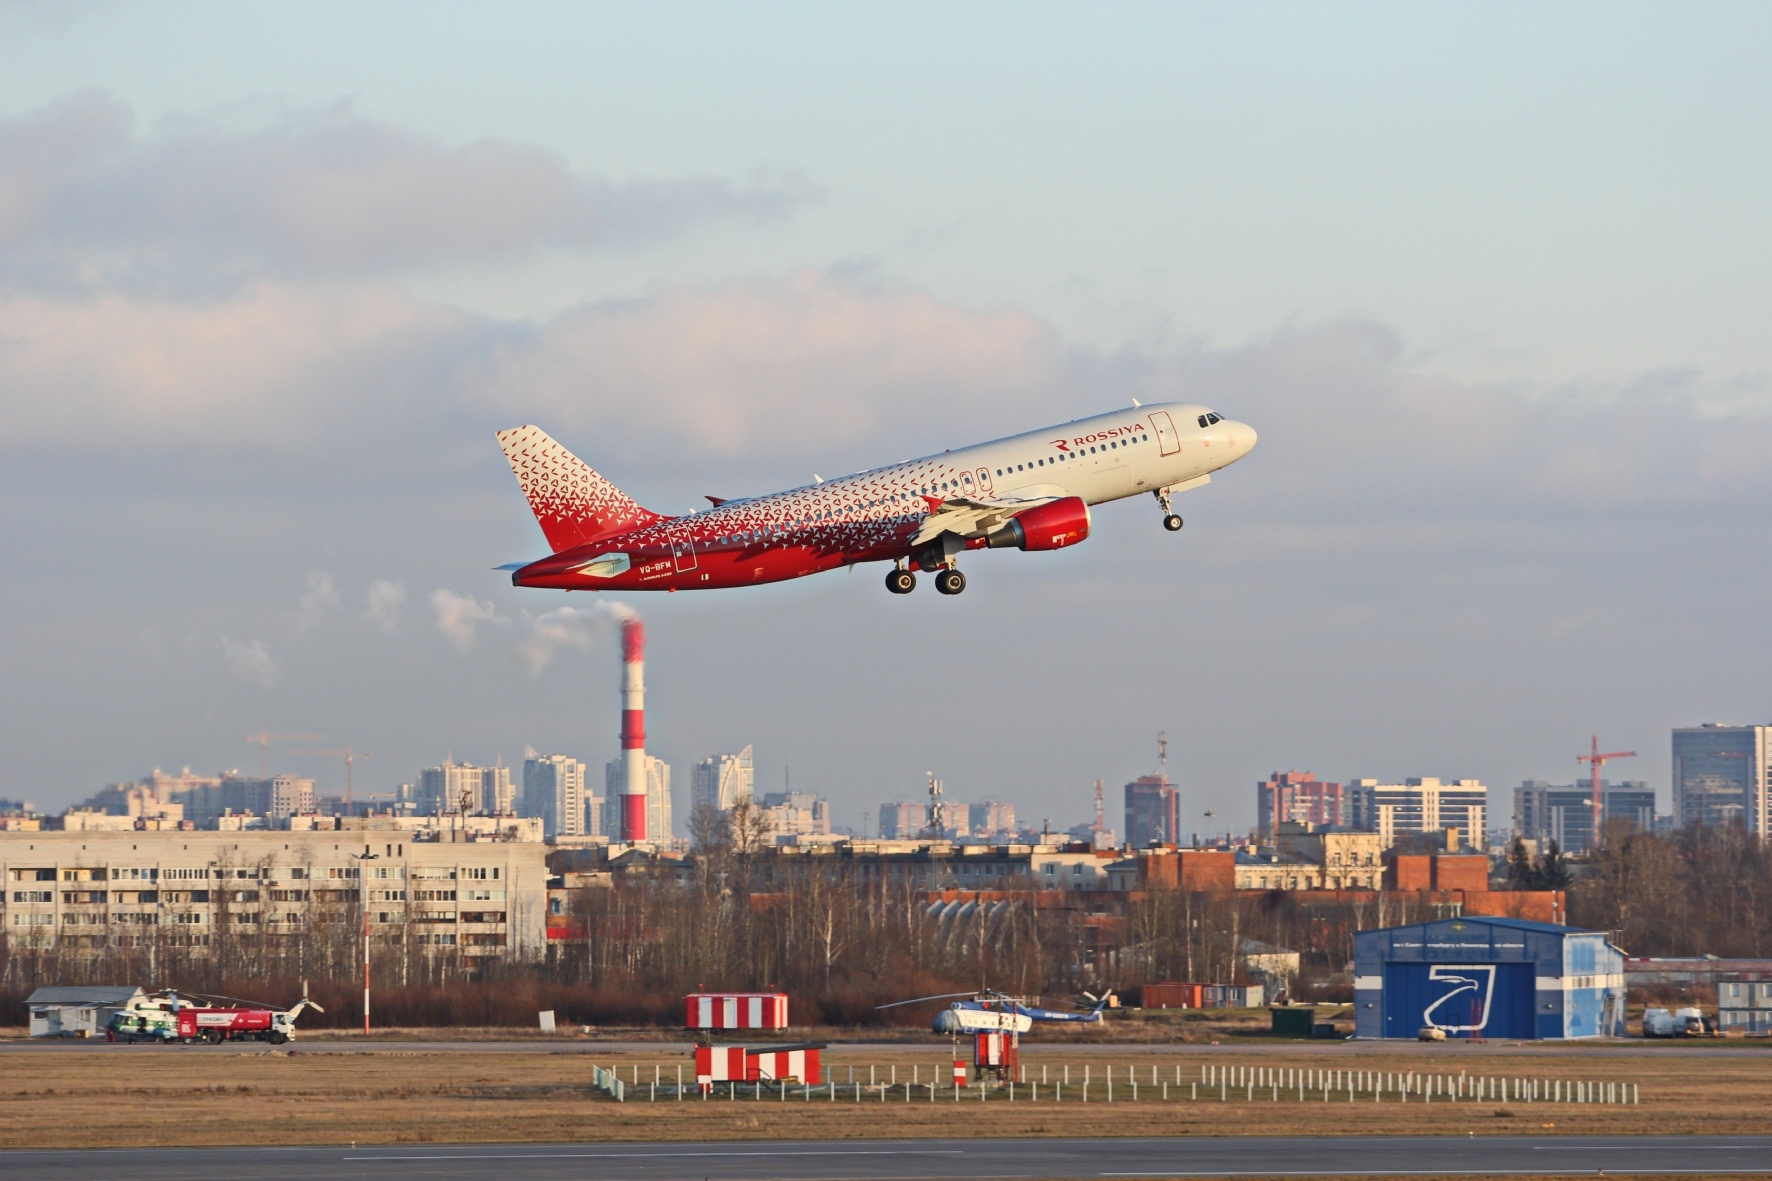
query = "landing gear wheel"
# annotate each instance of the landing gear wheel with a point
(950, 582)
(901, 582)
(1172, 522)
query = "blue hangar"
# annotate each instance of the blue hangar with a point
(1487, 978)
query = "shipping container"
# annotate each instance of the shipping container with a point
(736, 1010)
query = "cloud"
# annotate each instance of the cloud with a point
(320, 598)
(250, 663)
(791, 363)
(568, 627)
(200, 207)
(268, 368)
(386, 603)
(460, 616)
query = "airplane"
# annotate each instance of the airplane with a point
(990, 1011)
(1031, 491)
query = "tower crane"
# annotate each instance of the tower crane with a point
(1598, 760)
(263, 740)
(350, 756)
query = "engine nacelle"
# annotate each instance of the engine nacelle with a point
(1047, 526)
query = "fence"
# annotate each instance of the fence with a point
(1216, 1083)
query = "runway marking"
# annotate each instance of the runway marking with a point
(1640, 1147)
(656, 1155)
(1416, 1173)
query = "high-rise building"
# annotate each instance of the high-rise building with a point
(1720, 776)
(720, 781)
(1153, 811)
(498, 796)
(658, 798)
(455, 787)
(1299, 797)
(902, 821)
(1564, 813)
(1417, 806)
(797, 813)
(554, 790)
(992, 819)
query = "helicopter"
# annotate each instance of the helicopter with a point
(990, 1011)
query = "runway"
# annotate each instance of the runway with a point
(1631, 1047)
(924, 1160)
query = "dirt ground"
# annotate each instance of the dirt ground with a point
(175, 1095)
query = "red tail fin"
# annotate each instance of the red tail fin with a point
(572, 503)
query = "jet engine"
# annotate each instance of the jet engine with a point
(1047, 526)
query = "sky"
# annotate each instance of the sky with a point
(1492, 282)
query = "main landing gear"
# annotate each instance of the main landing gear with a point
(1171, 522)
(902, 582)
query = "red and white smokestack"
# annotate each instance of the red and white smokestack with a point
(633, 731)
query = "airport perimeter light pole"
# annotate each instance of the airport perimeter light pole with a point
(362, 859)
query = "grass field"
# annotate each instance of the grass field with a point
(110, 1096)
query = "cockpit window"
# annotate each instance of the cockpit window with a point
(1202, 422)
(1212, 418)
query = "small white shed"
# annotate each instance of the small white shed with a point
(76, 1010)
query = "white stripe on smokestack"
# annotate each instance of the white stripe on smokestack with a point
(633, 731)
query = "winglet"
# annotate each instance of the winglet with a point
(716, 501)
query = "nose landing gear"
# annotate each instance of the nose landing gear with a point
(1171, 522)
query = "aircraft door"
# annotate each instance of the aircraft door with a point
(966, 483)
(683, 554)
(984, 480)
(1168, 439)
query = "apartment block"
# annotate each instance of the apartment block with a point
(1418, 806)
(475, 900)
(720, 781)
(554, 790)
(1298, 797)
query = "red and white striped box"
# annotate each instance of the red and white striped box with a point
(719, 1064)
(736, 1010)
(799, 1066)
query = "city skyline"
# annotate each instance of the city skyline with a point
(1503, 342)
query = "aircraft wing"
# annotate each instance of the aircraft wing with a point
(972, 518)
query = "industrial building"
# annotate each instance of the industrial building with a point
(1744, 1003)
(1487, 978)
(77, 1010)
